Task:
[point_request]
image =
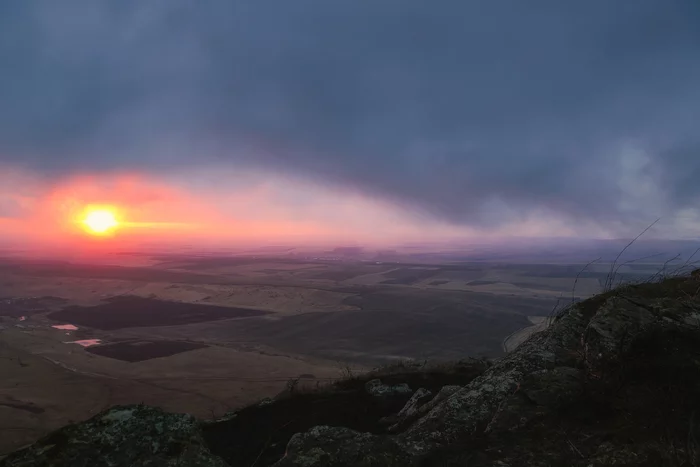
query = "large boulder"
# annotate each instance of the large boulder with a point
(132, 436)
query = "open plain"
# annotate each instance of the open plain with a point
(204, 335)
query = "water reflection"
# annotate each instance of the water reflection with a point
(86, 342)
(65, 327)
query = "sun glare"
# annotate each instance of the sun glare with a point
(100, 221)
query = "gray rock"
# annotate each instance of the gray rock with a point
(613, 328)
(484, 399)
(539, 393)
(410, 410)
(325, 446)
(376, 388)
(554, 388)
(629, 455)
(419, 398)
(121, 436)
(444, 393)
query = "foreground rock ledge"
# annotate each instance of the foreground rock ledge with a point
(629, 349)
(121, 436)
(613, 381)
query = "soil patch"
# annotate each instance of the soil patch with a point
(129, 311)
(138, 351)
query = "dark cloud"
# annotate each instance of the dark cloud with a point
(479, 112)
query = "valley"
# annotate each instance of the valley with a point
(205, 335)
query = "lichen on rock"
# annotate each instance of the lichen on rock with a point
(327, 446)
(121, 436)
(376, 388)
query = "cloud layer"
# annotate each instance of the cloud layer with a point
(478, 113)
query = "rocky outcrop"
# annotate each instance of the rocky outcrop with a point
(612, 381)
(121, 436)
(617, 341)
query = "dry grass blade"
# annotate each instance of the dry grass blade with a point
(661, 273)
(573, 290)
(687, 265)
(611, 275)
(575, 449)
(630, 261)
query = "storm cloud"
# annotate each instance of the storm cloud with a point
(480, 113)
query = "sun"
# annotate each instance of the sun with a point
(100, 221)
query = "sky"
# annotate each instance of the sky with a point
(351, 120)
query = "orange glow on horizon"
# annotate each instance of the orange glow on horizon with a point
(100, 221)
(107, 212)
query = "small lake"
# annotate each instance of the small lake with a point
(65, 327)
